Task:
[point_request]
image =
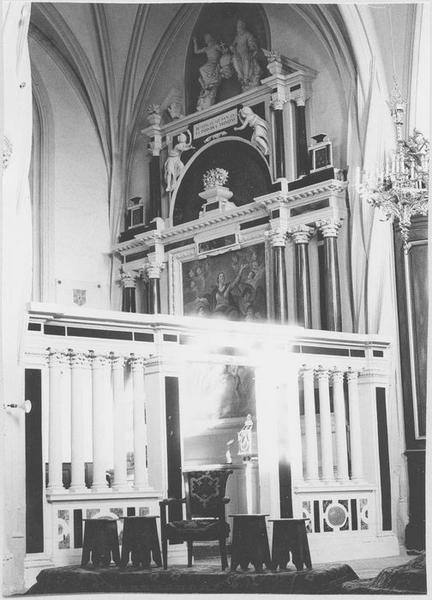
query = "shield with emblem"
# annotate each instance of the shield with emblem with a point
(79, 297)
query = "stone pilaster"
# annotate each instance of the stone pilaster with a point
(278, 241)
(301, 236)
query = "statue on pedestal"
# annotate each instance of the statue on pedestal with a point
(245, 49)
(173, 164)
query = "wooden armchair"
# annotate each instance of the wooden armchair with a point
(205, 513)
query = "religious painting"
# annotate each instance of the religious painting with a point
(217, 391)
(230, 285)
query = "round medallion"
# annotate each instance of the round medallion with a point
(336, 515)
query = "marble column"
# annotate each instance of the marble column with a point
(139, 423)
(79, 364)
(100, 378)
(325, 425)
(154, 273)
(278, 241)
(311, 438)
(277, 105)
(119, 417)
(329, 229)
(340, 425)
(355, 426)
(128, 283)
(301, 138)
(301, 236)
(294, 430)
(57, 364)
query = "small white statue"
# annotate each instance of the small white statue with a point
(175, 110)
(173, 164)
(260, 136)
(209, 78)
(245, 50)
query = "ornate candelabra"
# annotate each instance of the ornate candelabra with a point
(401, 190)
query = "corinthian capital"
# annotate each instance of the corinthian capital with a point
(277, 101)
(78, 360)
(136, 362)
(127, 279)
(117, 361)
(154, 270)
(277, 237)
(301, 234)
(329, 227)
(56, 358)
(352, 375)
(98, 361)
(322, 373)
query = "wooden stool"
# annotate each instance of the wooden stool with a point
(289, 536)
(140, 538)
(250, 542)
(101, 540)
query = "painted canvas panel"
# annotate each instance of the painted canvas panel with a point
(230, 285)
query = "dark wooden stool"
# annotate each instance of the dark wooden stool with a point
(290, 537)
(101, 540)
(140, 538)
(250, 542)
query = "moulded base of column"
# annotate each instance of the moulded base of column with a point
(99, 487)
(78, 489)
(142, 487)
(56, 489)
(121, 487)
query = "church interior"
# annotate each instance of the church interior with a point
(213, 271)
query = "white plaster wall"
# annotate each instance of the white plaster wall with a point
(81, 241)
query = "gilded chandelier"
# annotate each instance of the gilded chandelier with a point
(401, 189)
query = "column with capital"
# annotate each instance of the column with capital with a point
(100, 378)
(355, 426)
(119, 417)
(325, 424)
(301, 137)
(139, 423)
(79, 363)
(301, 236)
(311, 438)
(153, 271)
(333, 310)
(154, 132)
(340, 425)
(277, 105)
(278, 241)
(57, 364)
(128, 283)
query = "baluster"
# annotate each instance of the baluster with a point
(119, 413)
(79, 363)
(355, 426)
(57, 364)
(294, 430)
(340, 423)
(100, 377)
(325, 424)
(311, 439)
(139, 423)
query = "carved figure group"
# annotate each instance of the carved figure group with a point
(223, 62)
(173, 164)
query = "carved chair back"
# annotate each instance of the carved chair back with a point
(204, 491)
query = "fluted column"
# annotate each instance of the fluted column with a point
(329, 229)
(100, 377)
(154, 273)
(278, 241)
(301, 137)
(128, 283)
(325, 425)
(57, 363)
(311, 438)
(355, 426)
(139, 423)
(301, 236)
(79, 363)
(119, 414)
(340, 425)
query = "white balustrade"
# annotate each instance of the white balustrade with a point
(99, 387)
(355, 426)
(57, 364)
(294, 430)
(311, 438)
(79, 362)
(139, 424)
(119, 423)
(340, 425)
(325, 425)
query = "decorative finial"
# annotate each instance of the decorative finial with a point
(215, 177)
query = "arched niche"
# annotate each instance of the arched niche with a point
(249, 176)
(220, 20)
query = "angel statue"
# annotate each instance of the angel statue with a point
(173, 164)
(260, 136)
(245, 50)
(209, 78)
